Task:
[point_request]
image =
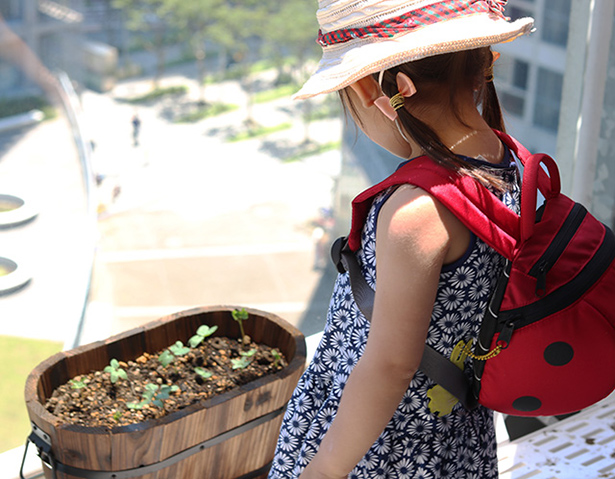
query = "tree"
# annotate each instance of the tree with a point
(148, 16)
(201, 20)
(241, 36)
(291, 31)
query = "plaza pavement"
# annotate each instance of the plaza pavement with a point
(203, 221)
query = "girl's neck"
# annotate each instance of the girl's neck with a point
(465, 134)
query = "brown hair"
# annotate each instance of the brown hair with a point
(462, 71)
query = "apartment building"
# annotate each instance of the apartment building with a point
(529, 75)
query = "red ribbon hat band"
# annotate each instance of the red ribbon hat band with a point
(418, 18)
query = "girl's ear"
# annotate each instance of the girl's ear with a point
(367, 90)
(405, 85)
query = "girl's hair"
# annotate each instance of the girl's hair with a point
(459, 72)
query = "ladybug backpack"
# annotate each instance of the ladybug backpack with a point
(546, 344)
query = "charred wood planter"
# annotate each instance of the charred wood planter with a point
(230, 435)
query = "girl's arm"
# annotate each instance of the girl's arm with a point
(413, 241)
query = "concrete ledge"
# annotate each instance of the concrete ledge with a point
(18, 121)
(10, 462)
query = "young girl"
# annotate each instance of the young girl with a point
(413, 74)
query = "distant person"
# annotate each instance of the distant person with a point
(136, 128)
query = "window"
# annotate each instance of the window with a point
(554, 28)
(520, 74)
(11, 9)
(511, 103)
(517, 12)
(548, 98)
(513, 74)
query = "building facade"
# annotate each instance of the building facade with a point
(51, 29)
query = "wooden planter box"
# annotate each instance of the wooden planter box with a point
(232, 435)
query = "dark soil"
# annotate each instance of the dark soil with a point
(92, 400)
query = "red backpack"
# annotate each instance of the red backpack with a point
(549, 328)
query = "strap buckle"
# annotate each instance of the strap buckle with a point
(336, 253)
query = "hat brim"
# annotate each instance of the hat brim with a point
(345, 63)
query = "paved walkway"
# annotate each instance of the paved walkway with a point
(200, 220)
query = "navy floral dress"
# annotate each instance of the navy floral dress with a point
(416, 443)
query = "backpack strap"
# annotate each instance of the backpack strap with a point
(475, 206)
(435, 365)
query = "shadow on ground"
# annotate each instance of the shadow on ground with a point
(315, 315)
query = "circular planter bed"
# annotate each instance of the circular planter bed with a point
(224, 436)
(12, 276)
(15, 211)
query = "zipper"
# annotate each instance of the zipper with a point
(563, 237)
(569, 293)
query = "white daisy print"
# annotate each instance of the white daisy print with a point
(467, 309)
(330, 358)
(381, 446)
(479, 289)
(450, 298)
(297, 425)
(287, 442)
(326, 417)
(463, 277)
(349, 360)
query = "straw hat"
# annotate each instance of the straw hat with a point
(361, 37)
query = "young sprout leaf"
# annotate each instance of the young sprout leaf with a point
(195, 340)
(244, 360)
(74, 384)
(150, 396)
(115, 371)
(201, 333)
(179, 349)
(277, 357)
(206, 331)
(166, 358)
(204, 373)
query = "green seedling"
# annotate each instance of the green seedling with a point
(153, 394)
(74, 384)
(178, 349)
(277, 357)
(204, 373)
(117, 415)
(166, 358)
(245, 359)
(201, 333)
(115, 371)
(168, 355)
(240, 316)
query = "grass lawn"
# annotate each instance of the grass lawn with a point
(315, 149)
(206, 112)
(18, 356)
(259, 131)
